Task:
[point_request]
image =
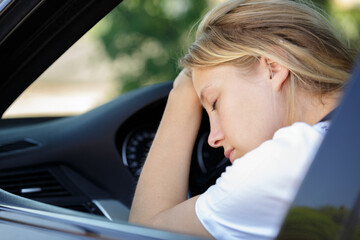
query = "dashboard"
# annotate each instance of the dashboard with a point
(92, 162)
(135, 137)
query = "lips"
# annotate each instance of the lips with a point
(228, 152)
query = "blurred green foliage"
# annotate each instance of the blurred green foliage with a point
(349, 22)
(317, 224)
(345, 20)
(145, 38)
(356, 233)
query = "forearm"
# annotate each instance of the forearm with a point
(164, 179)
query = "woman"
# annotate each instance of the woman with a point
(266, 72)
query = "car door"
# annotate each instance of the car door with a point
(328, 202)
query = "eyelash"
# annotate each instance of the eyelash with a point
(213, 108)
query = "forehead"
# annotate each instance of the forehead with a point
(201, 80)
(205, 79)
(208, 76)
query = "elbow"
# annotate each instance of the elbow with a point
(133, 218)
(152, 221)
(139, 219)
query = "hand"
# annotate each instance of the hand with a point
(182, 79)
(183, 87)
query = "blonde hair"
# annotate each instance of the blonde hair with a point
(291, 33)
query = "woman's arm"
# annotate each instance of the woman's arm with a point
(161, 193)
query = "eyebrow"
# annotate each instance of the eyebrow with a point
(202, 93)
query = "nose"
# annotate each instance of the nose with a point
(216, 135)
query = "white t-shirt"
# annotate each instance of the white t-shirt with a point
(251, 198)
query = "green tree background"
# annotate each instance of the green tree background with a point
(311, 223)
(146, 38)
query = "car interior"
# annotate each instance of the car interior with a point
(89, 162)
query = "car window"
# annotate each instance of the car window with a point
(79, 80)
(137, 44)
(3, 5)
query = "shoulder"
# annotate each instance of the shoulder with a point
(302, 131)
(296, 144)
(289, 153)
(260, 185)
(299, 139)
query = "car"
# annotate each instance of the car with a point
(74, 177)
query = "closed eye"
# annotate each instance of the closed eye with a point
(214, 105)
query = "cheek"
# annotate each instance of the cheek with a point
(245, 124)
(247, 117)
(238, 112)
(234, 123)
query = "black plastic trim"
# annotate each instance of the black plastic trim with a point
(46, 33)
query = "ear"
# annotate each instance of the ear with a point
(277, 74)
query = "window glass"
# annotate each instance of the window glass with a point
(81, 79)
(137, 44)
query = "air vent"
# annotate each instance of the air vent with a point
(18, 145)
(32, 184)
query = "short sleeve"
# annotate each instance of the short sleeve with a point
(251, 198)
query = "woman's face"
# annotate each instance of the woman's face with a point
(244, 108)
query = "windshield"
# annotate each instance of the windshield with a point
(137, 44)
